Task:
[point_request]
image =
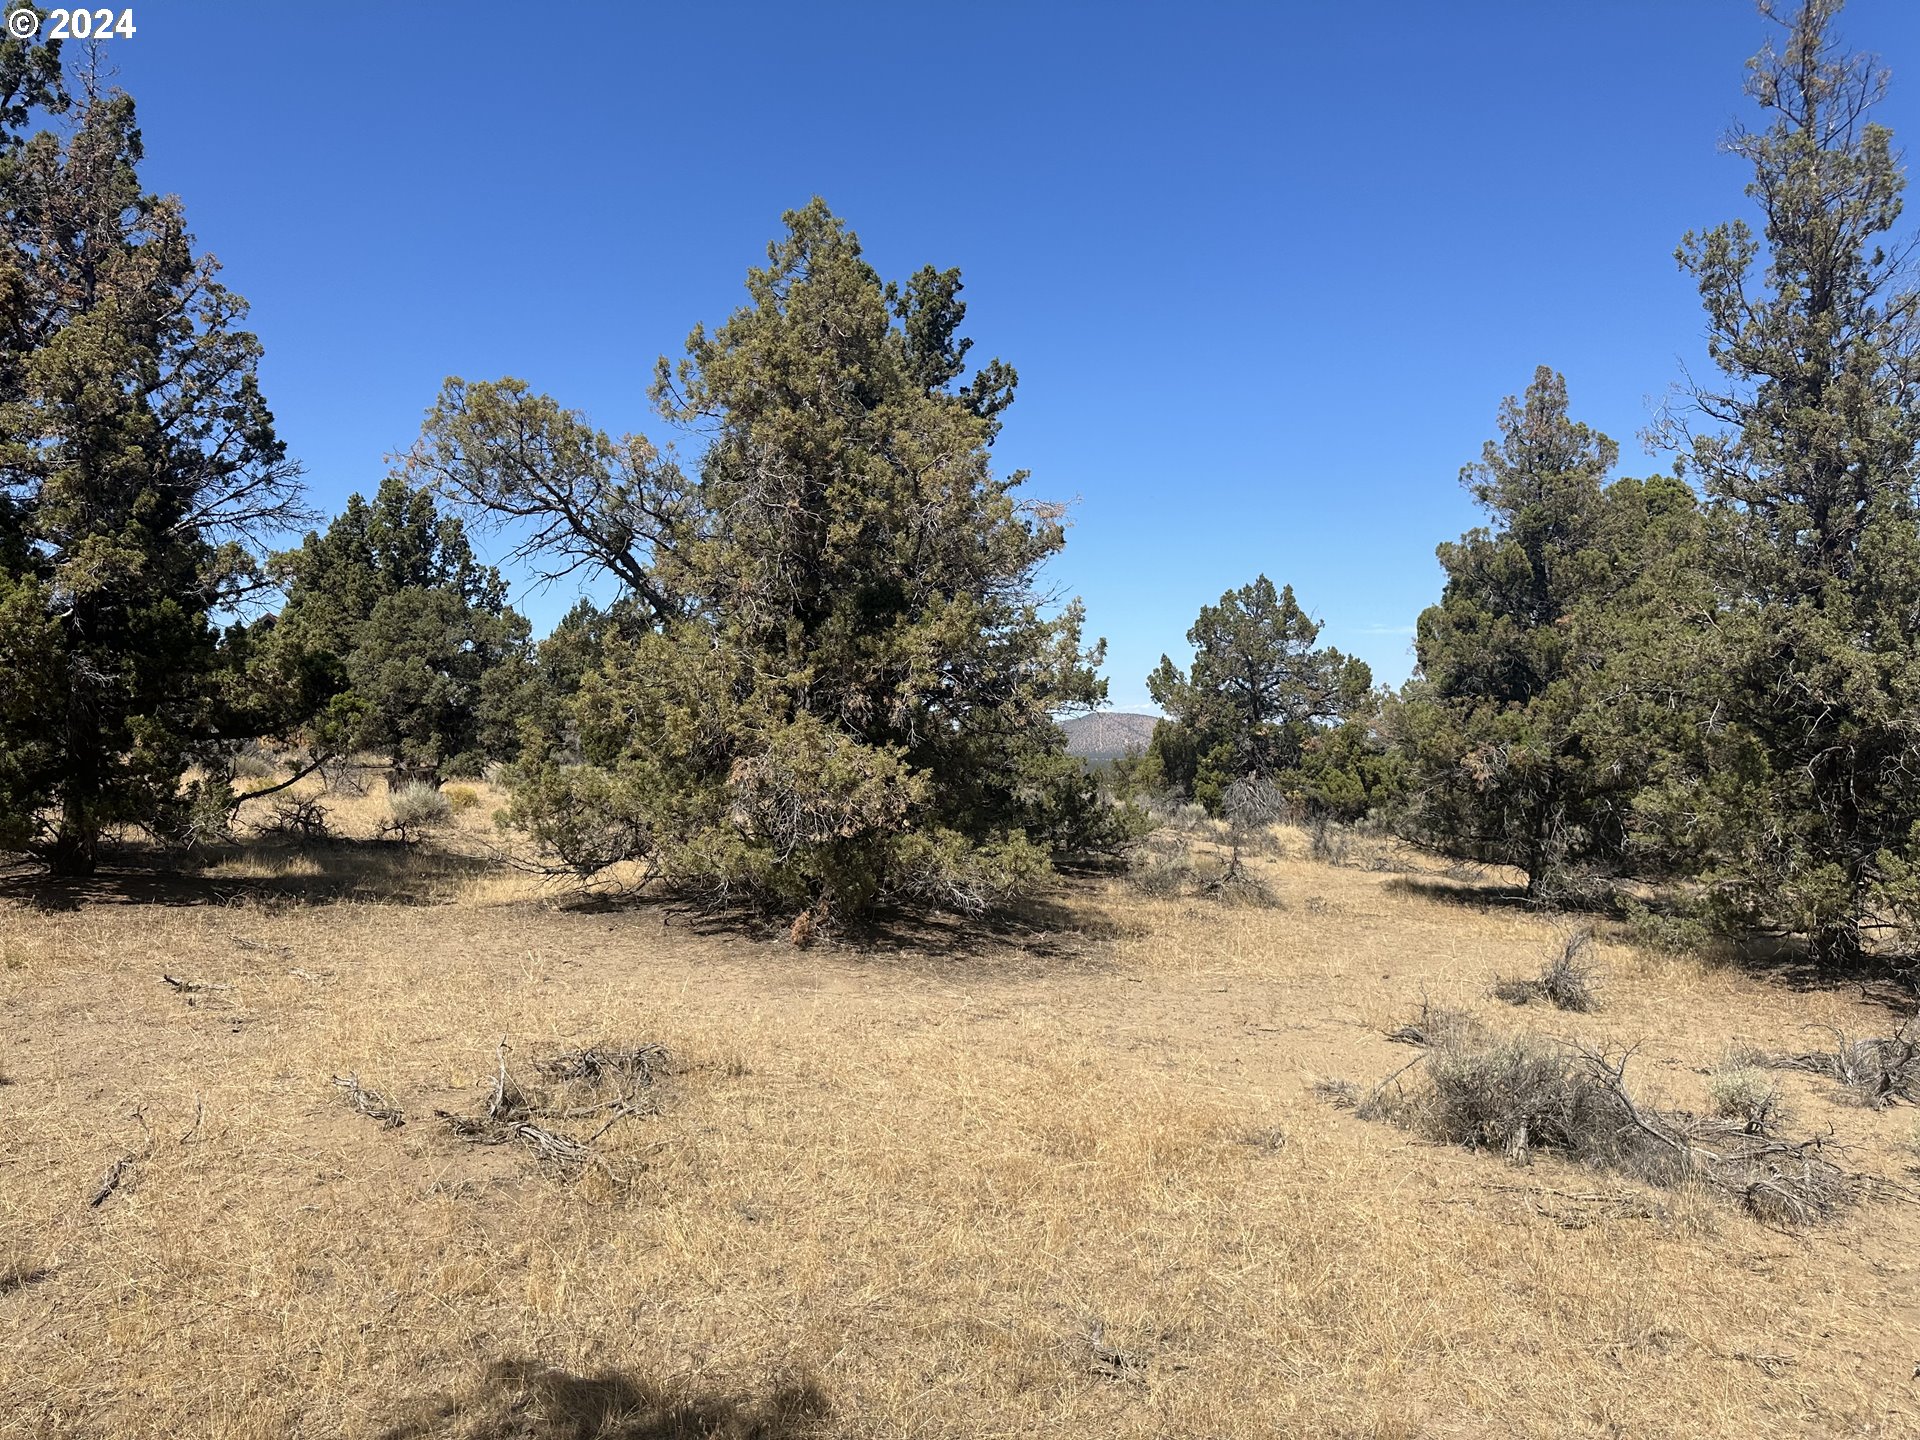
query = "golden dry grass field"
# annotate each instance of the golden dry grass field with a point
(1067, 1178)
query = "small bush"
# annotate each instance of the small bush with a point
(1329, 842)
(1567, 982)
(252, 765)
(415, 810)
(461, 798)
(1665, 933)
(1743, 1094)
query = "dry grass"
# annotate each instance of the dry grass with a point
(1068, 1180)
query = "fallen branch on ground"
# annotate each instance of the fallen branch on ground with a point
(370, 1101)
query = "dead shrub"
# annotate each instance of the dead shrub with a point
(614, 1077)
(304, 819)
(1522, 1094)
(598, 1063)
(1237, 885)
(1566, 887)
(1438, 1025)
(1567, 981)
(1875, 1071)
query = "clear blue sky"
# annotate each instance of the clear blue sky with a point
(1265, 270)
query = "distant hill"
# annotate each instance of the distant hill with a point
(1107, 734)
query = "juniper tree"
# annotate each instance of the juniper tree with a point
(410, 647)
(839, 684)
(1513, 751)
(1257, 695)
(137, 463)
(1803, 810)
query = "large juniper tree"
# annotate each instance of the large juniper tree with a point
(136, 460)
(1804, 810)
(838, 677)
(1514, 751)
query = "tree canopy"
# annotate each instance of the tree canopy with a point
(1256, 695)
(841, 676)
(138, 469)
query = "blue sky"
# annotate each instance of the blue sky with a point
(1265, 270)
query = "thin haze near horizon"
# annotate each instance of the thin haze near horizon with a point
(1266, 271)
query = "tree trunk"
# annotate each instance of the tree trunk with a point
(76, 844)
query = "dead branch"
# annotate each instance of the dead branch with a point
(374, 1103)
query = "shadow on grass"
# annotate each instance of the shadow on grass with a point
(1889, 981)
(1043, 932)
(1473, 895)
(264, 872)
(521, 1400)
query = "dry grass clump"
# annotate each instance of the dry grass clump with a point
(461, 798)
(19, 1269)
(1521, 1094)
(1567, 982)
(1438, 1025)
(1875, 1071)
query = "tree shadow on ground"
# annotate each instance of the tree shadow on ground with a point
(1890, 981)
(1043, 932)
(374, 871)
(522, 1400)
(1472, 895)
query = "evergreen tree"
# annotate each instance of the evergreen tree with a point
(1508, 728)
(1802, 810)
(1256, 697)
(408, 645)
(137, 462)
(846, 690)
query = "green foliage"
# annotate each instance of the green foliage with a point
(137, 460)
(1347, 772)
(1529, 728)
(1257, 698)
(402, 642)
(834, 676)
(1799, 806)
